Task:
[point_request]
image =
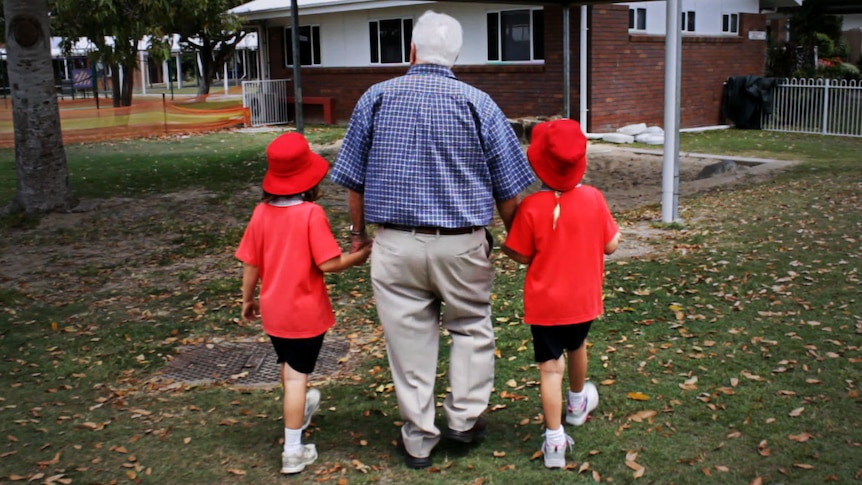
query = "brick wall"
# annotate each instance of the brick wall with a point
(626, 74)
(627, 71)
(520, 90)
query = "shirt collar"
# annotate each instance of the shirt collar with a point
(433, 69)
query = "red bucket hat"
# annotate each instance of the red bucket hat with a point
(558, 153)
(292, 167)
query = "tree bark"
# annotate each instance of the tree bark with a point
(207, 68)
(40, 157)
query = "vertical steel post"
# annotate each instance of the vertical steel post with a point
(297, 80)
(567, 63)
(672, 82)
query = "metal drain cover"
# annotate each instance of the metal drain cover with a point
(245, 364)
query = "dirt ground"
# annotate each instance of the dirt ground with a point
(43, 264)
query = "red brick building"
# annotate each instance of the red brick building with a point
(625, 65)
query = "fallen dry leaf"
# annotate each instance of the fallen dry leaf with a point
(638, 469)
(801, 437)
(644, 415)
(638, 396)
(804, 466)
(796, 412)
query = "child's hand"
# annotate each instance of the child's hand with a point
(250, 311)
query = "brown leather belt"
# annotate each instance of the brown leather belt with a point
(440, 231)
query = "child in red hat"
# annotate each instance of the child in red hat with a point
(563, 233)
(287, 247)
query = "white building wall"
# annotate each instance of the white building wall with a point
(344, 36)
(708, 14)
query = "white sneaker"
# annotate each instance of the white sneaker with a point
(312, 402)
(555, 454)
(295, 463)
(577, 417)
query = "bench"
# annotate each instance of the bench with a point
(326, 102)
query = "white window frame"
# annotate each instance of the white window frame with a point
(637, 16)
(288, 53)
(689, 21)
(730, 23)
(499, 35)
(405, 41)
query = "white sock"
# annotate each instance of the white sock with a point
(555, 436)
(576, 398)
(292, 441)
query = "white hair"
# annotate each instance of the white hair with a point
(438, 38)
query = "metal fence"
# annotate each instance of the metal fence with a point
(826, 106)
(267, 101)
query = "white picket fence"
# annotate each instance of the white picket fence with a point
(826, 106)
(267, 101)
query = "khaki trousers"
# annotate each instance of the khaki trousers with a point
(422, 282)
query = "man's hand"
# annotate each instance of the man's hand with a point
(358, 242)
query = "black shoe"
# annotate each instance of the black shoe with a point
(475, 433)
(410, 460)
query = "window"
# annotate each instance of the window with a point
(390, 40)
(637, 19)
(516, 35)
(309, 45)
(688, 21)
(730, 23)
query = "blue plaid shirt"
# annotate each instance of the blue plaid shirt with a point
(426, 149)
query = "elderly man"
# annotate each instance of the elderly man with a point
(425, 159)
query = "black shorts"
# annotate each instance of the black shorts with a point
(549, 341)
(299, 353)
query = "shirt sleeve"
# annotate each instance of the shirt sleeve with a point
(323, 244)
(350, 165)
(510, 171)
(520, 237)
(249, 246)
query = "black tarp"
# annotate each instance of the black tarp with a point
(746, 99)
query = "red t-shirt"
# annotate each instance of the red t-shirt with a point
(564, 281)
(287, 244)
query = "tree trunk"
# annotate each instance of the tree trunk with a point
(207, 69)
(116, 88)
(40, 158)
(128, 82)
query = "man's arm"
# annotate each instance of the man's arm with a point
(358, 232)
(507, 209)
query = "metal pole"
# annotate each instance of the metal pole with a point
(582, 91)
(825, 124)
(144, 70)
(297, 80)
(672, 82)
(567, 63)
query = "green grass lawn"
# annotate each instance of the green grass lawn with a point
(734, 357)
